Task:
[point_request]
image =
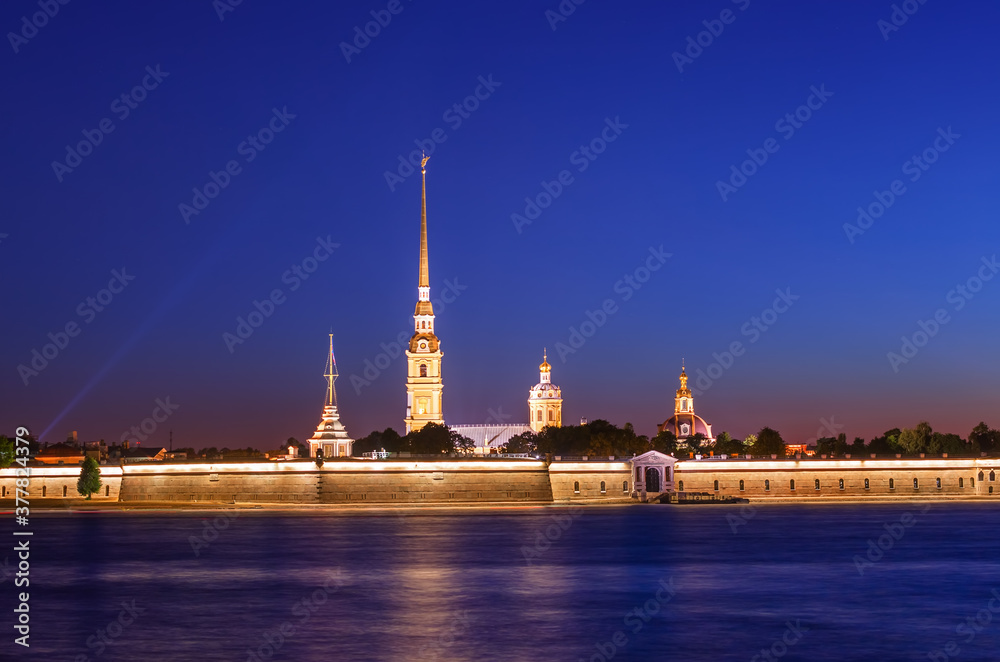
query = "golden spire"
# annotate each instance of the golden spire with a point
(545, 367)
(425, 279)
(331, 374)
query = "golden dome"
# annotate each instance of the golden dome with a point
(545, 367)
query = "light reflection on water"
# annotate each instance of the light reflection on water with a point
(454, 584)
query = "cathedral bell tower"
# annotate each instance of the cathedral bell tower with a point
(423, 357)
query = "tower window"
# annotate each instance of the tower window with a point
(552, 415)
(423, 369)
(538, 417)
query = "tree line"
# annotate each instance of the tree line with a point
(601, 438)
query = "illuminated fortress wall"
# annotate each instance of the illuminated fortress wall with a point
(58, 483)
(773, 479)
(357, 482)
(406, 482)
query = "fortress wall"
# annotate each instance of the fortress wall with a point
(360, 481)
(565, 475)
(48, 483)
(700, 476)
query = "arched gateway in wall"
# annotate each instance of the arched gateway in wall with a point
(653, 472)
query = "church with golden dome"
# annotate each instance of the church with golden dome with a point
(685, 423)
(545, 399)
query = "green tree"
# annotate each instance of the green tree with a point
(90, 477)
(664, 442)
(526, 442)
(858, 447)
(462, 444)
(432, 439)
(984, 440)
(726, 445)
(695, 443)
(6, 452)
(769, 442)
(916, 440)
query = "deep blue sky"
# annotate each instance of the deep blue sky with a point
(323, 176)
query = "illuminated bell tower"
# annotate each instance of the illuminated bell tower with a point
(545, 399)
(683, 401)
(423, 358)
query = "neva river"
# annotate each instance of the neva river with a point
(536, 583)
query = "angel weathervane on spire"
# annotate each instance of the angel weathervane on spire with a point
(423, 164)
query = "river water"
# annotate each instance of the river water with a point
(640, 582)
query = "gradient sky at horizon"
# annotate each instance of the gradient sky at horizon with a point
(655, 186)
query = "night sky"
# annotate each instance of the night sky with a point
(606, 79)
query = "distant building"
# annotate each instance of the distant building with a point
(685, 423)
(545, 399)
(290, 452)
(330, 436)
(490, 437)
(144, 455)
(804, 449)
(63, 453)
